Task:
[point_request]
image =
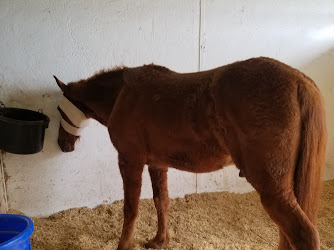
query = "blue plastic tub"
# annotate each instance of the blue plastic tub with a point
(15, 232)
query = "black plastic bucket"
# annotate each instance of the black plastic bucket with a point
(22, 131)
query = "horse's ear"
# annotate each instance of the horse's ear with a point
(61, 85)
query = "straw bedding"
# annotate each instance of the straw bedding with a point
(198, 221)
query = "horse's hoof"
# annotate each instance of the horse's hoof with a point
(155, 244)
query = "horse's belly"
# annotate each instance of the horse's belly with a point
(199, 164)
(189, 145)
(193, 157)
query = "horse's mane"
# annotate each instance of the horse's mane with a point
(106, 74)
(119, 69)
(102, 77)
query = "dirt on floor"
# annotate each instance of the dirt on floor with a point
(210, 221)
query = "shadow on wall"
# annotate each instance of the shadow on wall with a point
(44, 99)
(321, 70)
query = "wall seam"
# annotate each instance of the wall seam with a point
(199, 60)
(200, 36)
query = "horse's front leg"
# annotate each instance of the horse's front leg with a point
(132, 180)
(161, 202)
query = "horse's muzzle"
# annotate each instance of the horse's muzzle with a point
(65, 147)
(66, 141)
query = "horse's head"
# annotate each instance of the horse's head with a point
(73, 118)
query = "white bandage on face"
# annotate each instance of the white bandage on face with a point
(75, 115)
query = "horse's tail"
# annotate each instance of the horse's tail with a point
(313, 139)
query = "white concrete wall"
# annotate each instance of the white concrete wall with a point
(74, 39)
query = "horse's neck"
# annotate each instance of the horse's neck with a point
(100, 93)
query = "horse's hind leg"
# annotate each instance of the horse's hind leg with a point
(278, 199)
(268, 165)
(161, 202)
(132, 180)
(283, 208)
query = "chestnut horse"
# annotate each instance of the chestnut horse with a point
(264, 116)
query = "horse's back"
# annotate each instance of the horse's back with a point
(172, 117)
